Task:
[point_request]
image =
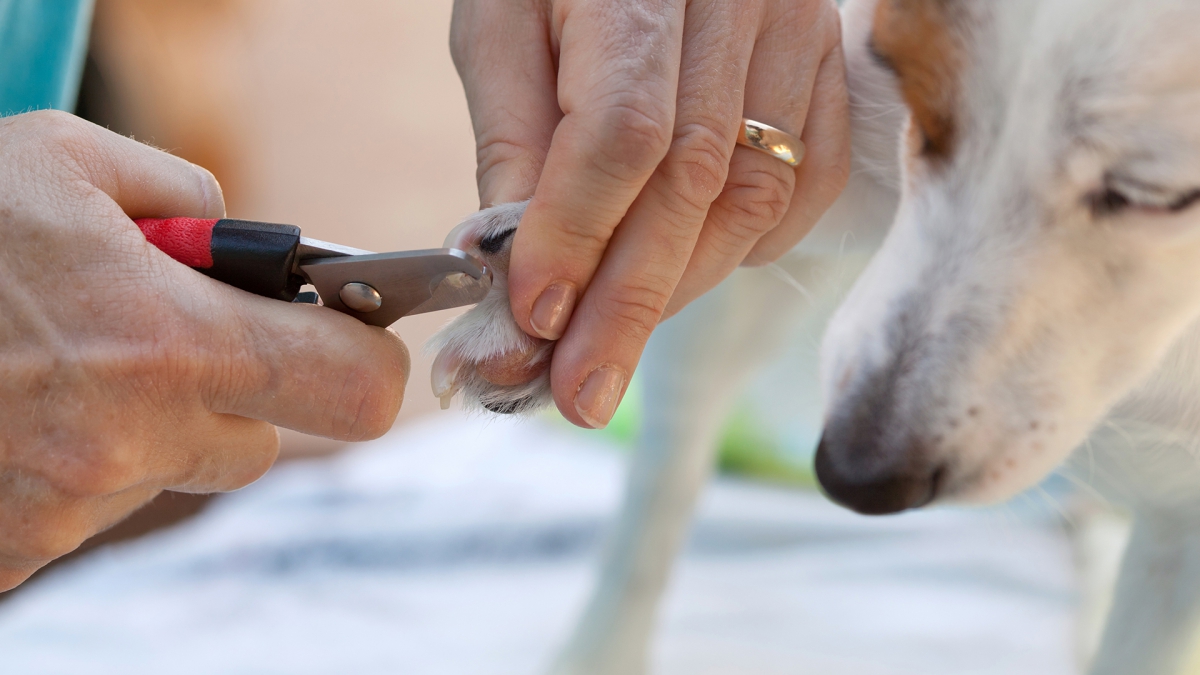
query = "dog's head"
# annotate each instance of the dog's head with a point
(1046, 251)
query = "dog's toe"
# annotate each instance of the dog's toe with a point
(483, 355)
(513, 368)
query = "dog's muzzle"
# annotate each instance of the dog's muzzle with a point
(860, 472)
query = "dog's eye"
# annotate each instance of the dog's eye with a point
(1108, 202)
(924, 146)
(920, 140)
(1120, 195)
(1185, 202)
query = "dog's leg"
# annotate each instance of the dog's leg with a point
(1155, 614)
(686, 393)
(695, 365)
(697, 362)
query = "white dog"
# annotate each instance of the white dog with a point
(1034, 165)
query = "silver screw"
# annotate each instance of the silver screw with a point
(360, 297)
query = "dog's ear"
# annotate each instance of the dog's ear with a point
(917, 40)
(877, 110)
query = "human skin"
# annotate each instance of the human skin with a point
(124, 373)
(618, 118)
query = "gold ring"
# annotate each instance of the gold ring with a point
(778, 144)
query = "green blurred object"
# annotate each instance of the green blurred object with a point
(43, 45)
(748, 447)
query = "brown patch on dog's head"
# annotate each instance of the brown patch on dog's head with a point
(915, 38)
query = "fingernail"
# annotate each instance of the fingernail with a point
(214, 198)
(598, 396)
(552, 310)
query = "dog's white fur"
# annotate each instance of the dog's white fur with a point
(488, 329)
(1039, 322)
(1020, 311)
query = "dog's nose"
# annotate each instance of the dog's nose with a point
(873, 488)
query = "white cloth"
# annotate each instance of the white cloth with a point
(467, 546)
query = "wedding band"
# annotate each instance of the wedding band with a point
(778, 144)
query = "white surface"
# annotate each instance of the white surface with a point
(466, 546)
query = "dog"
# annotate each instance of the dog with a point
(1024, 211)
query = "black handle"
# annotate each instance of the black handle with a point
(256, 257)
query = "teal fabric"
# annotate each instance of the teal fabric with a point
(43, 45)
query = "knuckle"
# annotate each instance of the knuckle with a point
(50, 545)
(258, 448)
(700, 155)
(256, 462)
(43, 140)
(62, 131)
(753, 204)
(49, 122)
(585, 236)
(46, 534)
(632, 135)
(495, 153)
(635, 307)
(232, 371)
(95, 468)
(11, 577)
(67, 141)
(372, 396)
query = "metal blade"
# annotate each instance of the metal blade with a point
(408, 282)
(315, 248)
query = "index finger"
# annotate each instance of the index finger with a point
(305, 368)
(617, 81)
(503, 55)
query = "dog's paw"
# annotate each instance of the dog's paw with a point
(483, 354)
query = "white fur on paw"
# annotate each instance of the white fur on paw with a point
(486, 339)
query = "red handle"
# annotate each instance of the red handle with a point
(188, 240)
(255, 257)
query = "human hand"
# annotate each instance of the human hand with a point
(122, 372)
(619, 118)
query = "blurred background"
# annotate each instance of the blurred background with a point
(468, 545)
(344, 118)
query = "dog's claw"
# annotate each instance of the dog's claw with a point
(444, 376)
